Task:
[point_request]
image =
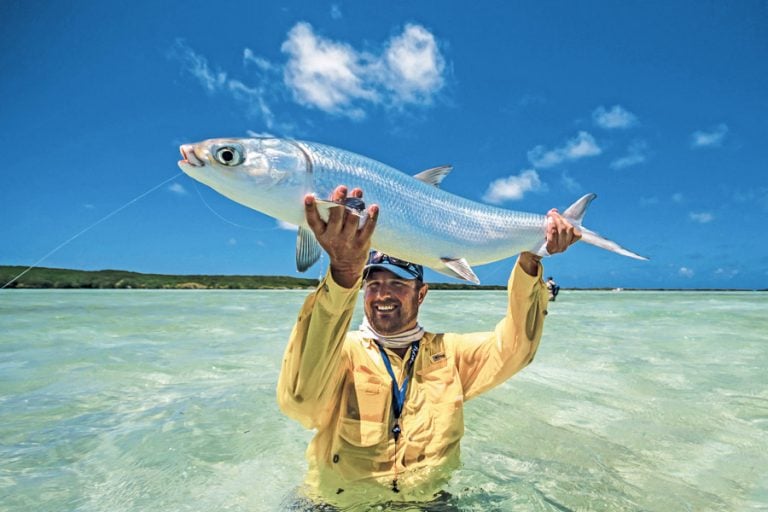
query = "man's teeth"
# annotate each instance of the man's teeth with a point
(388, 307)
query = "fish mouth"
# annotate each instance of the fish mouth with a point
(190, 157)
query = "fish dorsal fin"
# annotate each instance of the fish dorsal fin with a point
(307, 249)
(459, 267)
(576, 211)
(435, 175)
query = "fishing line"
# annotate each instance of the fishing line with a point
(85, 230)
(217, 214)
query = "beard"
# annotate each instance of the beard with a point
(402, 318)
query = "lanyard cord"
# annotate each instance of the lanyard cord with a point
(398, 396)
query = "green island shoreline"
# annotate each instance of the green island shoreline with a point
(59, 278)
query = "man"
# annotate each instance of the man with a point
(387, 400)
(553, 288)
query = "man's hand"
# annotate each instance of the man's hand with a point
(346, 245)
(561, 234)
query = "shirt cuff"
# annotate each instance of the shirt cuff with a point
(334, 297)
(521, 280)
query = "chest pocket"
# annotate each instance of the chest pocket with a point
(439, 382)
(366, 397)
(365, 417)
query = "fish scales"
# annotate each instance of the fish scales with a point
(416, 214)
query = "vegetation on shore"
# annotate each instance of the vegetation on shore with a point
(105, 279)
(42, 277)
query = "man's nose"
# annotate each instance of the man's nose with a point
(384, 291)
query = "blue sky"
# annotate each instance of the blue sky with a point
(658, 107)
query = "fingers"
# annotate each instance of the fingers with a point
(366, 232)
(340, 221)
(339, 194)
(316, 224)
(561, 234)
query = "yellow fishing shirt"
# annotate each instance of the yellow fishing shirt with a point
(335, 382)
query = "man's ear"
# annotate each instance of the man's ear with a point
(423, 292)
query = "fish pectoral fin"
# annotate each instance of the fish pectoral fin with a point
(435, 175)
(324, 208)
(458, 267)
(307, 249)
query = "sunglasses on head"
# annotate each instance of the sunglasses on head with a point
(379, 258)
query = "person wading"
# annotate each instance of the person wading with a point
(386, 399)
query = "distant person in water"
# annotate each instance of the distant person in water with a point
(553, 288)
(387, 399)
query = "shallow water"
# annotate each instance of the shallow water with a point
(164, 400)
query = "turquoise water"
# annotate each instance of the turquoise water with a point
(164, 400)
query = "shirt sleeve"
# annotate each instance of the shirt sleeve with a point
(313, 364)
(485, 360)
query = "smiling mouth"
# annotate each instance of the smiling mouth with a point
(385, 308)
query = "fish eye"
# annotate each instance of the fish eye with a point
(228, 155)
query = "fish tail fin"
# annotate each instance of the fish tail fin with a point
(593, 238)
(575, 215)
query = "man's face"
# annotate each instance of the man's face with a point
(392, 303)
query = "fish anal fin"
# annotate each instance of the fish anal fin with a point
(435, 175)
(307, 249)
(459, 267)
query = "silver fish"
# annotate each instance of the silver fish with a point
(418, 221)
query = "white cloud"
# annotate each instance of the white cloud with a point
(570, 184)
(636, 154)
(701, 217)
(251, 58)
(217, 81)
(709, 139)
(616, 117)
(334, 77)
(678, 197)
(408, 69)
(686, 272)
(336, 12)
(728, 273)
(415, 66)
(758, 196)
(252, 133)
(287, 226)
(177, 188)
(197, 66)
(324, 74)
(581, 146)
(513, 187)
(255, 98)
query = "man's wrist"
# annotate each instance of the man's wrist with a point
(346, 277)
(530, 263)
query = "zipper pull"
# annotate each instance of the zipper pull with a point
(396, 431)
